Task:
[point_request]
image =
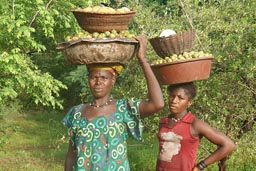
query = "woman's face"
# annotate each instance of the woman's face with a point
(101, 82)
(179, 101)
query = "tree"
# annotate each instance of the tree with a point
(34, 72)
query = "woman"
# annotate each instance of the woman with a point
(98, 130)
(180, 133)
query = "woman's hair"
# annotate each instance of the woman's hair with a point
(189, 88)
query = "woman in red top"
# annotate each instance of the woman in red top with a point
(180, 133)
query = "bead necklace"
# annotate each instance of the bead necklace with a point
(176, 120)
(97, 106)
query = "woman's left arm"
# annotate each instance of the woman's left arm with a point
(155, 101)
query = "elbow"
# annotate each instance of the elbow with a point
(159, 106)
(233, 146)
(230, 146)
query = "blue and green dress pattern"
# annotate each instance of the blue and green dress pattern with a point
(100, 144)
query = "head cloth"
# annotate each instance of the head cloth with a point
(114, 68)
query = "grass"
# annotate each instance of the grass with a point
(32, 142)
(38, 142)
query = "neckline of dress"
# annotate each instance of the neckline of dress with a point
(179, 119)
(104, 116)
(102, 105)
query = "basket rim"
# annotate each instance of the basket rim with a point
(107, 62)
(64, 45)
(182, 61)
(101, 14)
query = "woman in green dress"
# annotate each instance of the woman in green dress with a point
(98, 130)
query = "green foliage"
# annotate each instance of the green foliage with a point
(21, 79)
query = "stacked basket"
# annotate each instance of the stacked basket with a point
(100, 50)
(181, 70)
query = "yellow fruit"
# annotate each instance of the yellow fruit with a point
(95, 35)
(107, 33)
(114, 31)
(112, 35)
(74, 38)
(88, 9)
(95, 9)
(111, 10)
(125, 9)
(102, 35)
(103, 10)
(68, 38)
(119, 10)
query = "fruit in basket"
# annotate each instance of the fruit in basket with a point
(183, 56)
(123, 10)
(106, 34)
(167, 32)
(88, 9)
(101, 19)
(95, 8)
(106, 10)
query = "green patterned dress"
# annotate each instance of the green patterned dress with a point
(100, 144)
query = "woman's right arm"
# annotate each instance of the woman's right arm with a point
(70, 158)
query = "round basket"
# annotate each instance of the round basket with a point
(91, 50)
(183, 71)
(100, 22)
(174, 44)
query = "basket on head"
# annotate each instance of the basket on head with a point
(173, 44)
(183, 71)
(93, 50)
(102, 22)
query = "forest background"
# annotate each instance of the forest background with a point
(38, 86)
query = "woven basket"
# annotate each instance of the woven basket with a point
(97, 22)
(107, 50)
(174, 44)
(183, 71)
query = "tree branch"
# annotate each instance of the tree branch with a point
(189, 19)
(38, 11)
(13, 2)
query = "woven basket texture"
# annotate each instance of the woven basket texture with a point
(96, 22)
(87, 51)
(174, 44)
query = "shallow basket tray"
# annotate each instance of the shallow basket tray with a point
(174, 44)
(183, 71)
(105, 50)
(102, 22)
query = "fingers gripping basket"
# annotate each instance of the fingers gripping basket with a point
(174, 44)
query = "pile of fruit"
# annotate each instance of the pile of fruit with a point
(106, 10)
(107, 34)
(181, 57)
(179, 41)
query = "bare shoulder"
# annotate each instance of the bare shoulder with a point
(201, 127)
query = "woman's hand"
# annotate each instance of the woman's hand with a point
(196, 169)
(141, 53)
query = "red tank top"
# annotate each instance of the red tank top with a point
(177, 147)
